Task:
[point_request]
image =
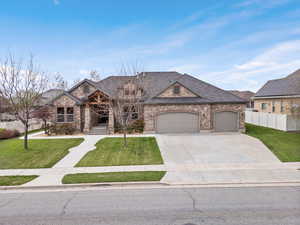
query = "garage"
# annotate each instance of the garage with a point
(177, 123)
(226, 121)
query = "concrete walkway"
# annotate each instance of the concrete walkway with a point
(188, 169)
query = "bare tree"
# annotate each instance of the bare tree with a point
(76, 81)
(127, 104)
(22, 85)
(44, 114)
(60, 82)
(95, 75)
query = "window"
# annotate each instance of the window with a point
(70, 114)
(176, 90)
(65, 115)
(134, 114)
(273, 106)
(60, 115)
(281, 107)
(86, 89)
(263, 106)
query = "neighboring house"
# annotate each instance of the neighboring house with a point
(280, 96)
(247, 95)
(49, 95)
(4, 110)
(4, 105)
(171, 102)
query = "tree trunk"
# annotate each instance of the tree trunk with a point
(125, 137)
(45, 126)
(26, 137)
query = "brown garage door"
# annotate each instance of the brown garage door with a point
(177, 123)
(226, 121)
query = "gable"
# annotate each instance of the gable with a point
(83, 90)
(64, 100)
(169, 92)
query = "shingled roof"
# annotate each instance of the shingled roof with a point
(156, 82)
(287, 86)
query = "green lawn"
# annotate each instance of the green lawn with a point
(286, 146)
(113, 177)
(111, 152)
(15, 180)
(41, 153)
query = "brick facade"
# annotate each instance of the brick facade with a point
(276, 105)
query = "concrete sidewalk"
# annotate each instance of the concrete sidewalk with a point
(185, 174)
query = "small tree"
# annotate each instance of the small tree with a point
(127, 103)
(22, 85)
(44, 114)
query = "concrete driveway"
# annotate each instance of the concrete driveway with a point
(213, 148)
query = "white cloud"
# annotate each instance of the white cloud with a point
(278, 61)
(262, 3)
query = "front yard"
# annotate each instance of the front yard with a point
(41, 153)
(113, 177)
(111, 152)
(15, 180)
(286, 146)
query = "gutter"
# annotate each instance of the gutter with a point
(275, 96)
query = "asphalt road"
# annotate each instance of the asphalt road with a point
(174, 206)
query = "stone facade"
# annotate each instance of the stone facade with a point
(205, 112)
(152, 111)
(276, 105)
(184, 92)
(65, 102)
(80, 91)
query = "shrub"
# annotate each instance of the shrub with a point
(62, 128)
(136, 126)
(6, 134)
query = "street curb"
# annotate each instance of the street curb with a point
(85, 185)
(143, 184)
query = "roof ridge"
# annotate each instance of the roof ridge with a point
(228, 92)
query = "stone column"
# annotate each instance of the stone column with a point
(87, 119)
(110, 121)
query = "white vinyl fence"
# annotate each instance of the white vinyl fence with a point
(18, 125)
(272, 120)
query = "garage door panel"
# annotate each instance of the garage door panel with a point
(226, 121)
(177, 123)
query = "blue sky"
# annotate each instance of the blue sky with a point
(234, 44)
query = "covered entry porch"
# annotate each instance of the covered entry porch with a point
(98, 115)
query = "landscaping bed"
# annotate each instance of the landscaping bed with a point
(285, 145)
(113, 177)
(111, 152)
(15, 180)
(41, 153)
